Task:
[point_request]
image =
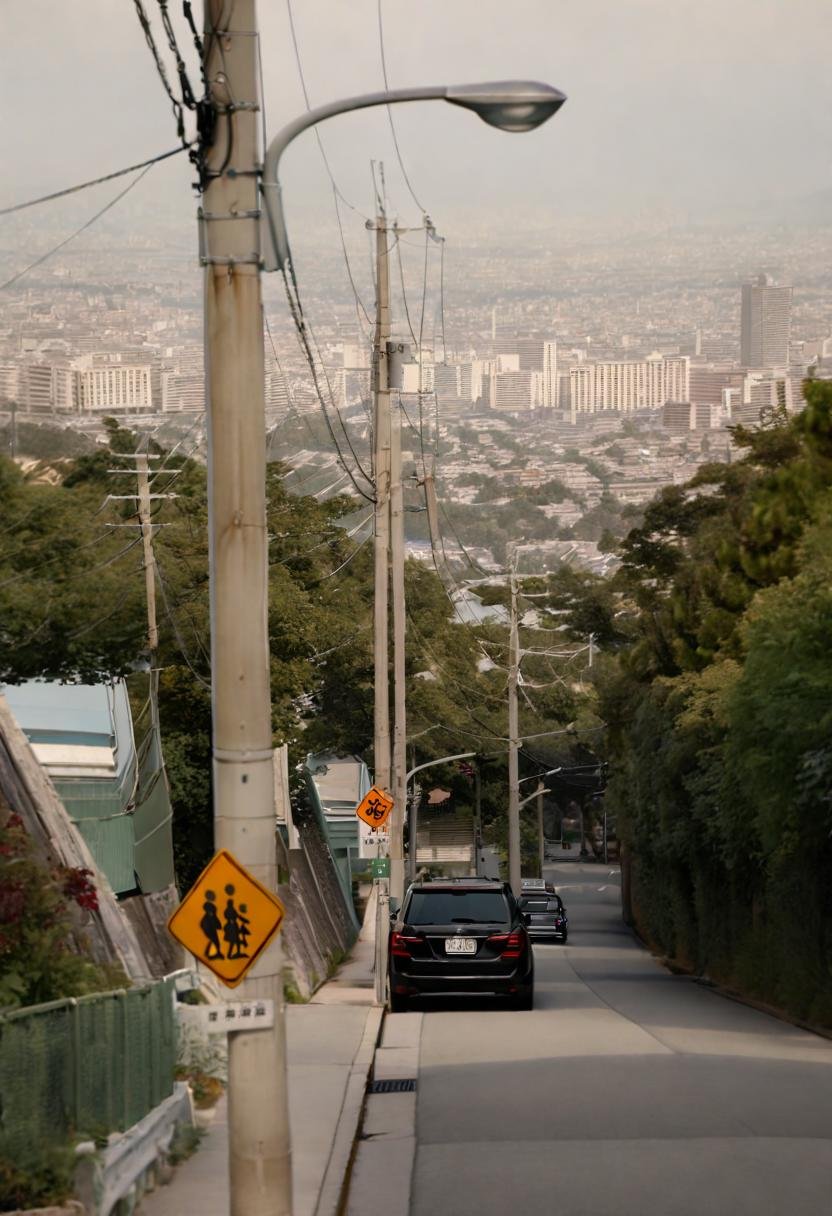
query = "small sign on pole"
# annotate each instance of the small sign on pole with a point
(375, 807)
(227, 919)
(380, 867)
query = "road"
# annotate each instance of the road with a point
(626, 1092)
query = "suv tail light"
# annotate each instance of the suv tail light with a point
(510, 945)
(400, 944)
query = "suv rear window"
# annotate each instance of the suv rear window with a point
(552, 904)
(457, 907)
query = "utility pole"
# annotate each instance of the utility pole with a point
(514, 863)
(382, 435)
(399, 629)
(260, 1179)
(541, 845)
(149, 559)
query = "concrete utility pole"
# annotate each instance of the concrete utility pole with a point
(514, 862)
(149, 559)
(382, 436)
(397, 554)
(541, 841)
(244, 817)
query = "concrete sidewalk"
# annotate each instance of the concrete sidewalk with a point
(331, 1042)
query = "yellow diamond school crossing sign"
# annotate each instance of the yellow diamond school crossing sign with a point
(375, 807)
(227, 919)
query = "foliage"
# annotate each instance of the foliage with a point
(38, 926)
(186, 1140)
(72, 605)
(719, 712)
(42, 1179)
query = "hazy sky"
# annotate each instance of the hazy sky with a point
(673, 104)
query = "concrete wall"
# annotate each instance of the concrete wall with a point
(320, 924)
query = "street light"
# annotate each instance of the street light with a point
(516, 105)
(509, 105)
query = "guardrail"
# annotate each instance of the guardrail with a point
(85, 1066)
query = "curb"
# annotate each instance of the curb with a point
(335, 1182)
(381, 1177)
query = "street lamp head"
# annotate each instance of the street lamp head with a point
(510, 105)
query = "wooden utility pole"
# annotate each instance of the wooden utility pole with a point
(244, 813)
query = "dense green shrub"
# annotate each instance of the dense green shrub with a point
(720, 715)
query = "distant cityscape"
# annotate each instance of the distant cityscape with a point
(578, 382)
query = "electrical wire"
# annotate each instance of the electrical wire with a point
(301, 326)
(390, 109)
(177, 104)
(337, 195)
(176, 630)
(96, 181)
(56, 248)
(343, 565)
(30, 570)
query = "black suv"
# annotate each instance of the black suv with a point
(547, 918)
(460, 938)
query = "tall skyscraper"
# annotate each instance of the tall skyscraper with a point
(550, 375)
(766, 322)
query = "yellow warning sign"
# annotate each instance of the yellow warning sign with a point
(375, 807)
(227, 919)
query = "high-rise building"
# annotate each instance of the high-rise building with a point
(550, 375)
(765, 323)
(515, 390)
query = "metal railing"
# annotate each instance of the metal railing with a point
(85, 1066)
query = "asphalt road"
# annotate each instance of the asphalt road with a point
(625, 1092)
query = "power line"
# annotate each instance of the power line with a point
(343, 565)
(56, 248)
(390, 110)
(301, 326)
(337, 195)
(96, 181)
(308, 104)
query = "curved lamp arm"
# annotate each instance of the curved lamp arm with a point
(510, 105)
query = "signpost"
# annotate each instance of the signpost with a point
(227, 919)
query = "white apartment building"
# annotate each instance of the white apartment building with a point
(628, 386)
(113, 388)
(515, 390)
(182, 390)
(550, 375)
(413, 381)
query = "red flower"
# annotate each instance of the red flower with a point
(77, 886)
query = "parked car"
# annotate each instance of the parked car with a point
(460, 938)
(548, 921)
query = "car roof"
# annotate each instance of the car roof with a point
(459, 884)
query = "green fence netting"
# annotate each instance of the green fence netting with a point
(84, 1067)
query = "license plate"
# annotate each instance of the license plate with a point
(460, 945)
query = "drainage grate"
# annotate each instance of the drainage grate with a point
(392, 1087)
